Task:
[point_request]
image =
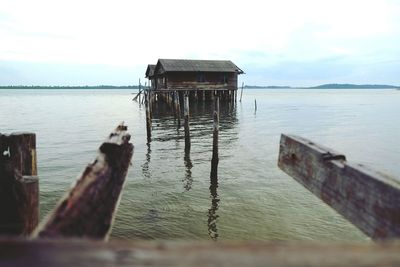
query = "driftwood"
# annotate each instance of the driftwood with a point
(19, 184)
(43, 253)
(369, 200)
(88, 209)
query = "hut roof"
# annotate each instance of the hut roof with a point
(150, 70)
(168, 65)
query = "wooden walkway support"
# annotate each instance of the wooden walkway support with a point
(369, 200)
(88, 209)
(186, 122)
(19, 184)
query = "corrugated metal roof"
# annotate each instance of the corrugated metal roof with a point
(150, 70)
(199, 65)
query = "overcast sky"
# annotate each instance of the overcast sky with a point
(279, 42)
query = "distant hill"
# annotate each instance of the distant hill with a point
(266, 87)
(353, 86)
(329, 86)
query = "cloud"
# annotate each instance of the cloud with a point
(126, 34)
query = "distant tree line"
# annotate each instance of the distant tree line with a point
(330, 86)
(68, 87)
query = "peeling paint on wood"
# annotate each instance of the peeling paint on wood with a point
(88, 209)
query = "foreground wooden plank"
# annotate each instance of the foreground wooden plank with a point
(89, 253)
(88, 209)
(19, 184)
(369, 200)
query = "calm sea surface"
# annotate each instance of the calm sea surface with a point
(167, 194)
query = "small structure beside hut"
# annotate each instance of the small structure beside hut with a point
(198, 78)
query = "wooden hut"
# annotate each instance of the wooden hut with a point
(194, 76)
(150, 75)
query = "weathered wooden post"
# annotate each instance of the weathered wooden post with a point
(186, 121)
(19, 184)
(255, 105)
(177, 108)
(148, 116)
(215, 159)
(88, 209)
(241, 92)
(369, 200)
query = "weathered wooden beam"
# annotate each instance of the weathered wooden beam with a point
(88, 209)
(62, 253)
(369, 200)
(19, 184)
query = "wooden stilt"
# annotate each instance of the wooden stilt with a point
(19, 184)
(148, 117)
(177, 108)
(186, 122)
(214, 160)
(241, 92)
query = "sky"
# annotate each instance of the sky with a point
(285, 42)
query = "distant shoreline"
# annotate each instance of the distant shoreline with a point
(324, 86)
(329, 86)
(69, 87)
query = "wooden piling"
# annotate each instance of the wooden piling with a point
(177, 108)
(255, 105)
(88, 209)
(241, 92)
(186, 122)
(215, 159)
(148, 116)
(366, 198)
(19, 184)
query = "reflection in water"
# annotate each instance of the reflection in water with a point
(201, 115)
(188, 175)
(212, 212)
(145, 166)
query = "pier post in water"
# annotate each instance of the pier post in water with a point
(215, 159)
(177, 108)
(19, 184)
(186, 121)
(241, 92)
(148, 116)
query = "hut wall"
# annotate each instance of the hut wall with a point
(200, 80)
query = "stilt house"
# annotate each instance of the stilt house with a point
(193, 75)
